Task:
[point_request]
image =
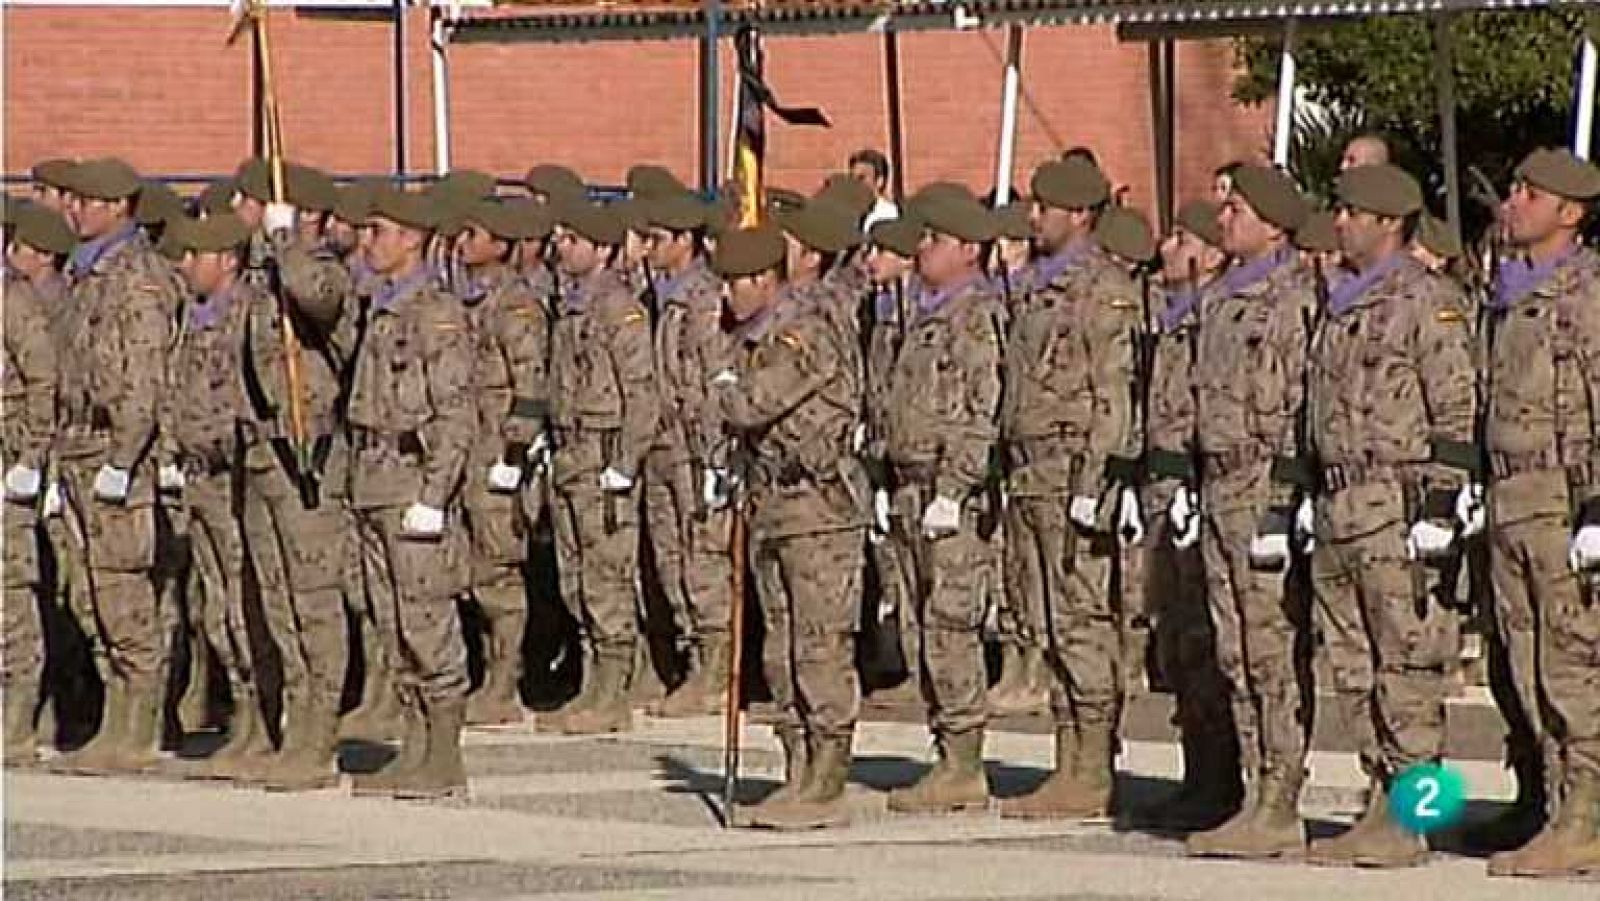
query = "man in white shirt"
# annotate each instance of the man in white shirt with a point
(872, 168)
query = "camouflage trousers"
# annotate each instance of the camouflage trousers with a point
(1254, 615)
(1185, 644)
(950, 578)
(897, 583)
(1068, 592)
(810, 592)
(22, 643)
(1019, 567)
(1549, 623)
(411, 585)
(299, 555)
(111, 549)
(217, 589)
(1389, 638)
(597, 555)
(499, 547)
(690, 543)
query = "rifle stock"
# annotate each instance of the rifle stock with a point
(732, 724)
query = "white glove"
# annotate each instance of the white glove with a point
(858, 438)
(22, 483)
(1471, 510)
(504, 478)
(1305, 526)
(1584, 552)
(170, 478)
(880, 516)
(278, 217)
(52, 500)
(615, 482)
(1085, 511)
(423, 521)
(725, 377)
(1130, 520)
(1427, 540)
(943, 517)
(111, 484)
(1270, 552)
(714, 488)
(1183, 514)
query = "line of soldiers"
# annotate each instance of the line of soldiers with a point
(1277, 426)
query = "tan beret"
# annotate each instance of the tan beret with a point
(213, 234)
(1125, 232)
(1272, 194)
(41, 228)
(820, 225)
(157, 203)
(1384, 189)
(108, 178)
(745, 252)
(597, 223)
(1556, 170)
(407, 209)
(1075, 183)
(555, 182)
(1438, 238)
(899, 236)
(1199, 218)
(650, 180)
(960, 217)
(1317, 234)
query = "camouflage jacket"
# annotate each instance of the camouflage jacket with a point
(691, 320)
(512, 331)
(205, 398)
(28, 399)
(944, 395)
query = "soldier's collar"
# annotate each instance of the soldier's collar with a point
(1517, 278)
(474, 287)
(1180, 304)
(1344, 296)
(89, 254)
(668, 286)
(1049, 268)
(392, 292)
(929, 303)
(755, 328)
(215, 309)
(1244, 276)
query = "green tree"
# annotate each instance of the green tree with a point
(1514, 91)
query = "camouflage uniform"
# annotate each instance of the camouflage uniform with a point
(1068, 415)
(796, 404)
(122, 307)
(1249, 379)
(412, 425)
(895, 577)
(942, 404)
(513, 334)
(29, 396)
(1545, 373)
(604, 409)
(690, 541)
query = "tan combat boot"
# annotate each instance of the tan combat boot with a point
(380, 716)
(956, 783)
(1568, 846)
(1080, 787)
(194, 706)
(413, 750)
(496, 701)
(137, 752)
(820, 802)
(1028, 694)
(797, 754)
(21, 742)
(441, 773)
(1269, 826)
(705, 692)
(98, 756)
(554, 721)
(610, 709)
(1375, 840)
(309, 760)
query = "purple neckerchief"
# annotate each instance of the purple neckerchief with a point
(214, 310)
(1179, 306)
(667, 287)
(885, 305)
(390, 293)
(572, 299)
(90, 253)
(755, 328)
(1244, 276)
(1349, 291)
(1049, 268)
(471, 289)
(929, 303)
(1519, 278)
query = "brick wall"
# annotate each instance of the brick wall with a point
(159, 87)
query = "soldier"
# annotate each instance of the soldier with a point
(891, 261)
(1541, 433)
(199, 452)
(942, 406)
(1249, 384)
(793, 403)
(1390, 403)
(118, 341)
(412, 423)
(52, 180)
(1437, 246)
(685, 491)
(39, 238)
(1192, 259)
(550, 184)
(820, 233)
(1318, 243)
(1072, 450)
(1364, 150)
(513, 335)
(604, 410)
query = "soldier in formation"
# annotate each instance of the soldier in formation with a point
(363, 405)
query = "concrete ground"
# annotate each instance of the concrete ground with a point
(635, 816)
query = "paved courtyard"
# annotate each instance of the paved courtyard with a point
(635, 816)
